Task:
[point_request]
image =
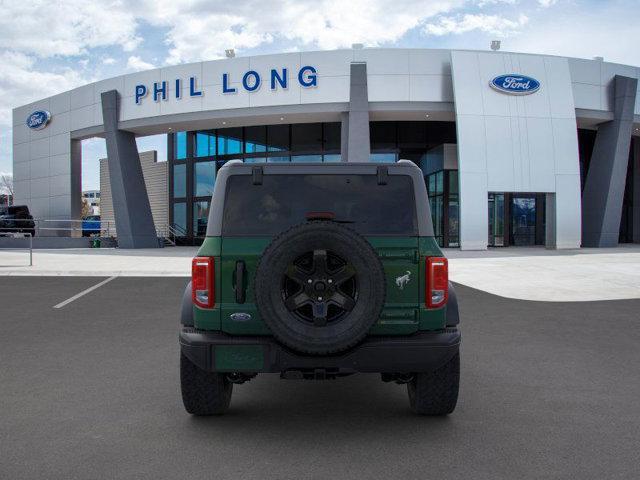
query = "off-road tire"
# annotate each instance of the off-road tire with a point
(436, 393)
(203, 393)
(354, 325)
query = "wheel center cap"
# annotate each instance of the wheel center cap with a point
(319, 286)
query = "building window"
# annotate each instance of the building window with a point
(332, 157)
(204, 177)
(180, 146)
(383, 157)
(205, 144)
(331, 136)
(180, 180)
(306, 137)
(200, 218)
(230, 141)
(255, 139)
(180, 216)
(306, 158)
(278, 138)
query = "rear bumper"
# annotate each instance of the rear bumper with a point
(421, 352)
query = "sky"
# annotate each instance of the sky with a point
(48, 47)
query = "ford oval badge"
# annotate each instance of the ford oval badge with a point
(515, 84)
(240, 317)
(38, 119)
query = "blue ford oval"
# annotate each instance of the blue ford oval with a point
(515, 84)
(38, 119)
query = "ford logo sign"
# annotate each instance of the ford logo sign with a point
(38, 119)
(515, 84)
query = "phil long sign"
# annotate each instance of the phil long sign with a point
(250, 81)
(515, 84)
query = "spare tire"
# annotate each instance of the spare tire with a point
(319, 287)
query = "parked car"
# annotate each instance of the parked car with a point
(319, 271)
(17, 219)
(91, 225)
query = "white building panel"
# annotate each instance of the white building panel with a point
(530, 121)
(212, 71)
(388, 88)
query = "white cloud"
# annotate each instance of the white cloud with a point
(108, 61)
(21, 83)
(66, 28)
(214, 26)
(135, 63)
(491, 24)
(547, 3)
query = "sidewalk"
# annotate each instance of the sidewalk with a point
(103, 262)
(521, 273)
(534, 273)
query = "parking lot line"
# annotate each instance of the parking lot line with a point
(84, 292)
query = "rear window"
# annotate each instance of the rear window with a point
(282, 201)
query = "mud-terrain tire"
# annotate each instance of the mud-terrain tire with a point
(317, 256)
(436, 393)
(203, 393)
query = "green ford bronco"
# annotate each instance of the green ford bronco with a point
(317, 271)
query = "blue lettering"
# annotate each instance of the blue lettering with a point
(256, 81)
(157, 90)
(275, 77)
(311, 79)
(178, 91)
(192, 88)
(225, 84)
(141, 92)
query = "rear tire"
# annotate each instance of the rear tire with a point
(436, 393)
(203, 393)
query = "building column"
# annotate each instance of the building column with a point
(358, 148)
(131, 208)
(605, 183)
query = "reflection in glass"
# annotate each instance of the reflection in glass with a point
(180, 180)
(229, 141)
(306, 158)
(255, 139)
(205, 144)
(383, 157)
(180, 216)
(277, 159)
(180, 146)
(278, 137)
(204, 177)
(200, 217)
(334, 157)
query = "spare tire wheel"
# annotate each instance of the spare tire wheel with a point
(320, 287)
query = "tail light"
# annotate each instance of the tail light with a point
(437, 276)
(203, 282)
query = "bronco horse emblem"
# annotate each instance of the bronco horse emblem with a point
(402, 280)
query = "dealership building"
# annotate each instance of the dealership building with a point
(516, 149)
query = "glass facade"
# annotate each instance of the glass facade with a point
(196, 156)
(442, 187)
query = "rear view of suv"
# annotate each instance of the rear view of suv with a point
(318, 271)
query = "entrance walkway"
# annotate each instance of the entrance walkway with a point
(535, 273)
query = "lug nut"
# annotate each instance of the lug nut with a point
(330, 281)
(319, 299)
(309, 281)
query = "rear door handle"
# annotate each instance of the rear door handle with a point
(240, 287)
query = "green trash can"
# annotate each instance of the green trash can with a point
(95, 243)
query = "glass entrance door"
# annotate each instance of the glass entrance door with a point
(496, 220)
(523, 220)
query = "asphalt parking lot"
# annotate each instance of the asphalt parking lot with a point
(90, 390)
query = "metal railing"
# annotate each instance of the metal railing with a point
(171, 232)
(45, 227)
